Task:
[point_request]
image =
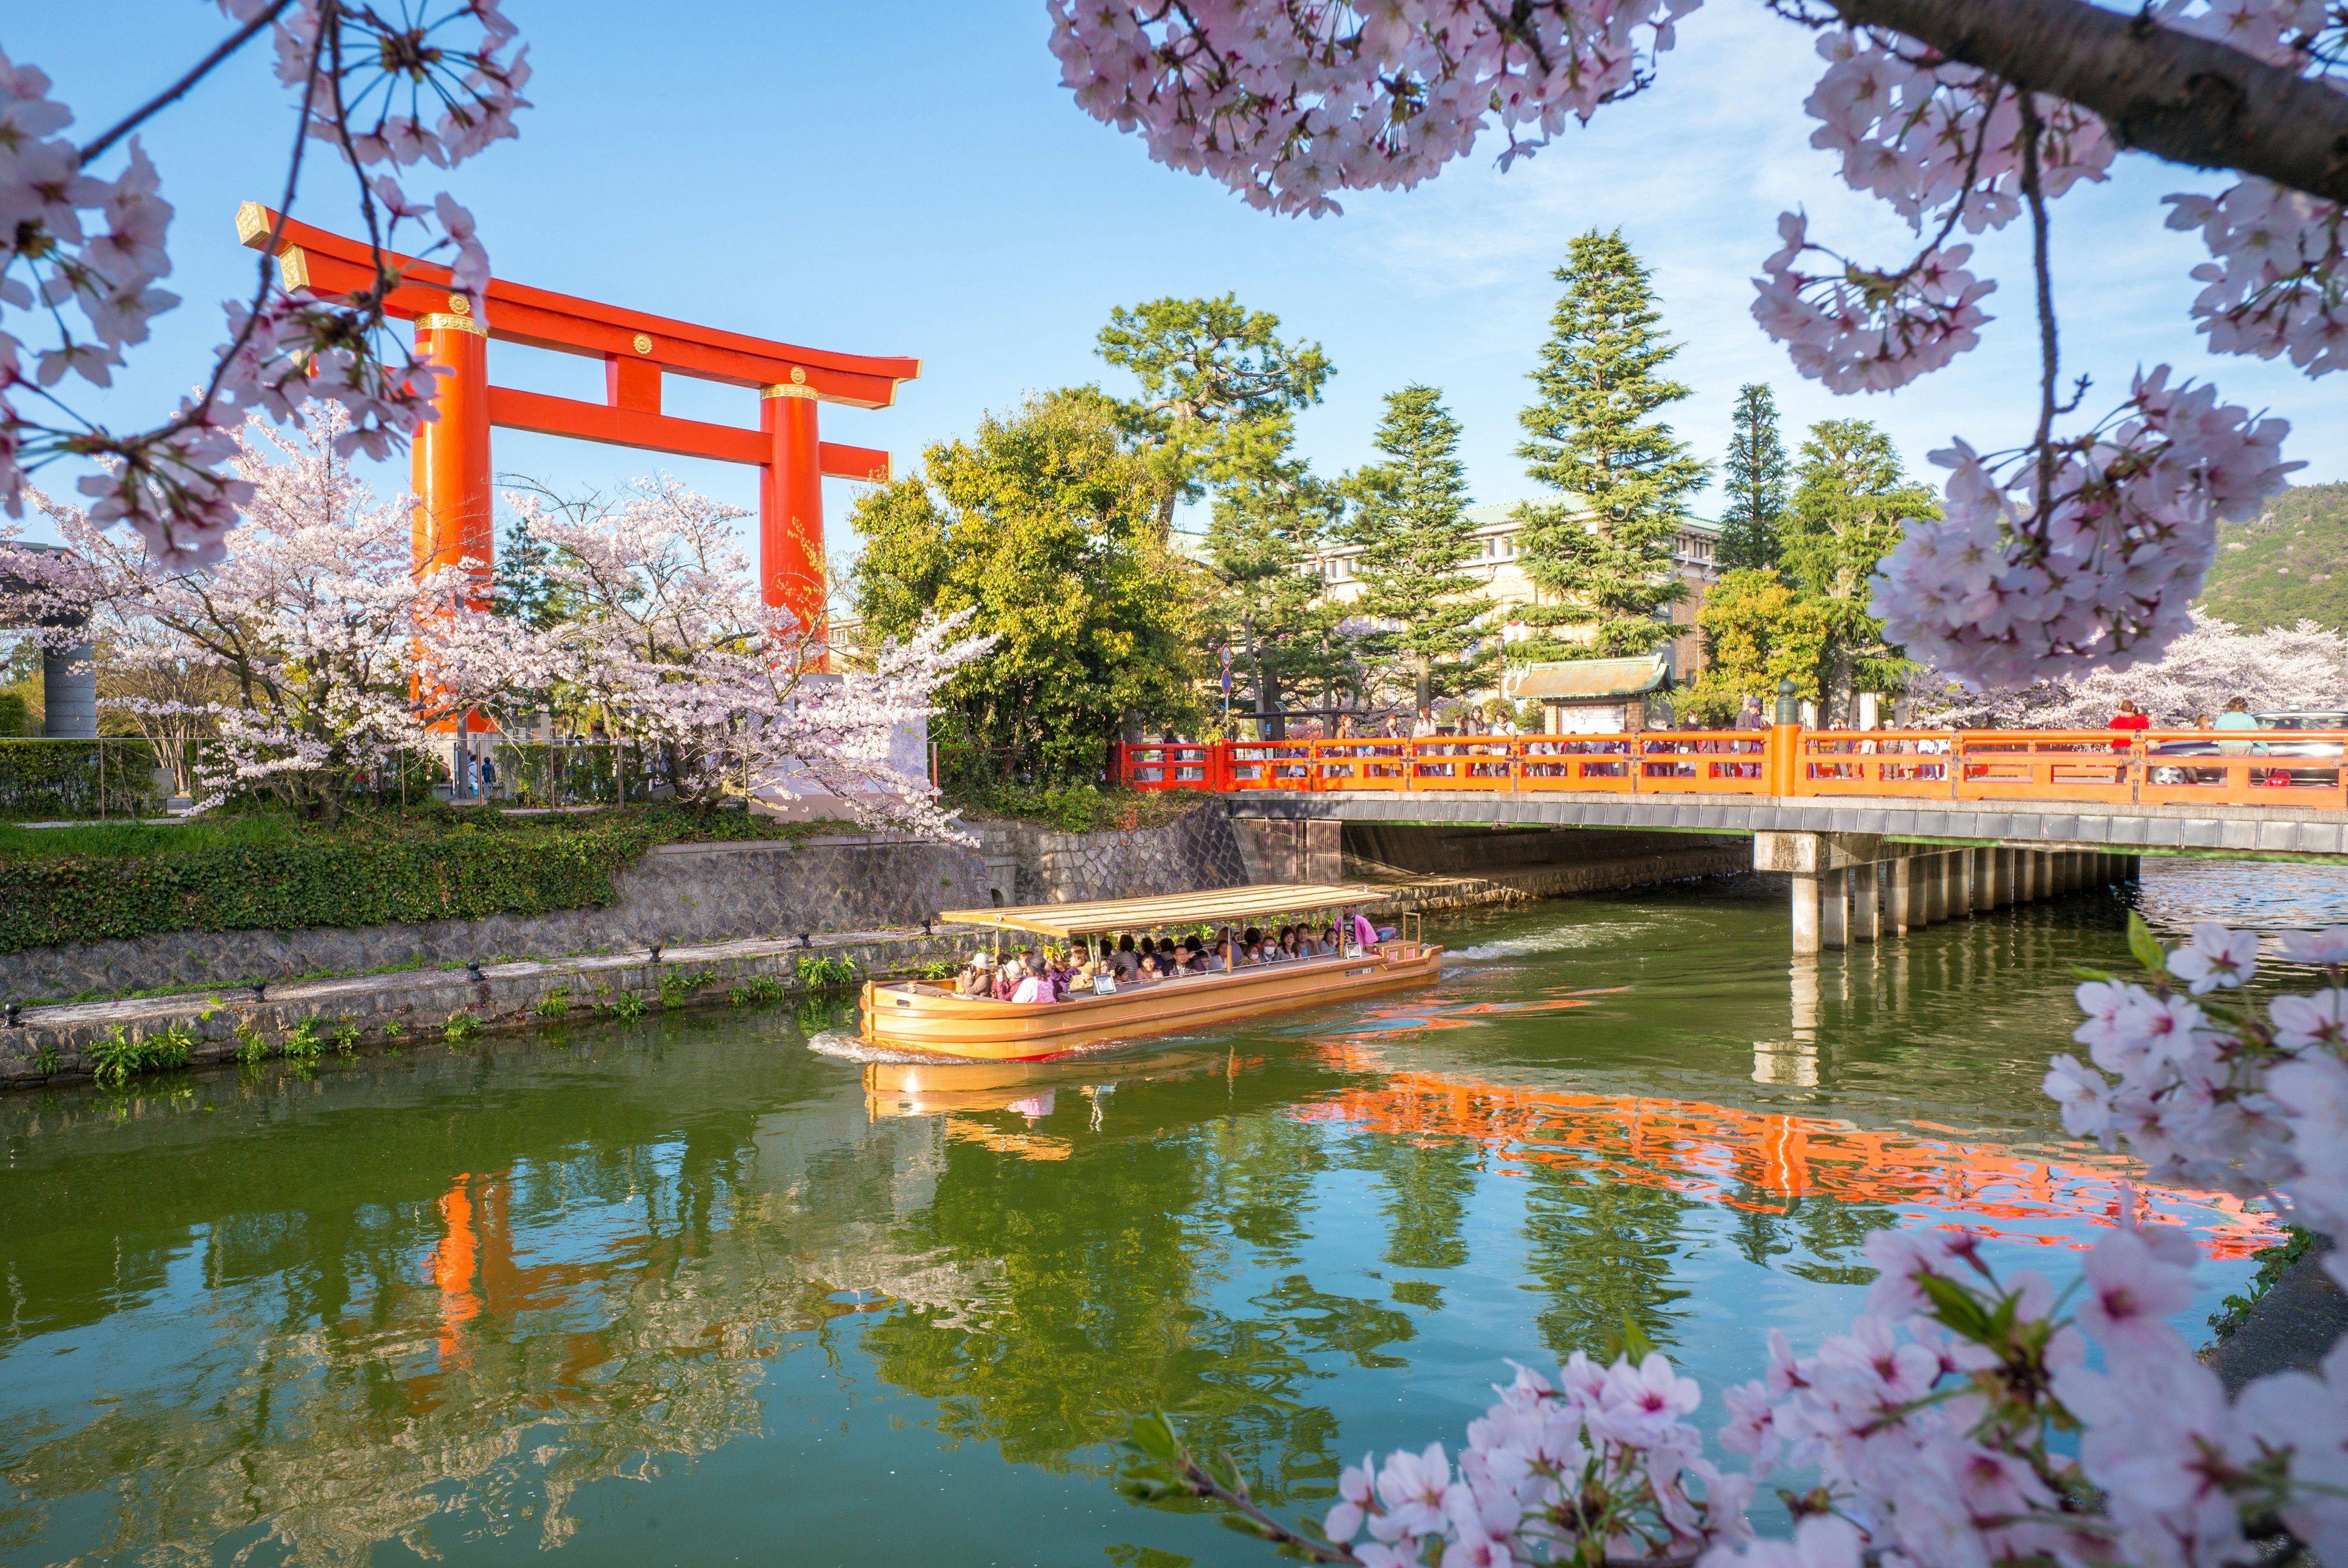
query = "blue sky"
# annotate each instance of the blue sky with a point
(913, 179)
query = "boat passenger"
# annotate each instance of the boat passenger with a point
(1147, 973)
(1366, 936)
(1194, 961)
(1129, 963)
(1035, 984)
(977, 976)
(1007, 974)
(1293, 945)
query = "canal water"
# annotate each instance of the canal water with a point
(687, 1291)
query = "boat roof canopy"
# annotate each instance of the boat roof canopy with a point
(1174, 909)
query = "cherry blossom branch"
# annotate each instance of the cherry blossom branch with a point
(2180, 96)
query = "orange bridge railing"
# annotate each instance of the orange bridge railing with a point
(2154, 767)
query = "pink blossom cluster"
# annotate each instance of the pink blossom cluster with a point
(1943, 145)
(2278, 281)
(2002, 590)
(2228, 1099)
(1286, 103)
(1869, 331)
(71, 237)
(1535, 1465)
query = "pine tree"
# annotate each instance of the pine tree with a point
(1603, 557)
(1270, 515)
(1755, 483)
(1410, 519)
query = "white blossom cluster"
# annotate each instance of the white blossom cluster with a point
(676, 642)
(2279, 669)
(340, 656)
(2001, 591)
(1935, 1433)
(80, 253)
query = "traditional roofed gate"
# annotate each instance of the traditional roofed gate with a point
(451, 455)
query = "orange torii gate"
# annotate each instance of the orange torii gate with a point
(451, 455)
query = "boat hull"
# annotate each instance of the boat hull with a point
(902, 1018)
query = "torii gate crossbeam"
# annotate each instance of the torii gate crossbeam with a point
(451, 455)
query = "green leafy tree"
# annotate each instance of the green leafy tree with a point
(1603, 557)
(1410, 522)
(1849, 501)
(1758, 629)
(1043, 522)
(1270, 515)
(1755, 481)
(1215, 379)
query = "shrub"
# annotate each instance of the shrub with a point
(347, 1038)
(251, 1049)
(116, 1057)
(828, 974)
(303, 1044)
(628, 1005)
(460, 1028)
(555, 1003)
(757, 990)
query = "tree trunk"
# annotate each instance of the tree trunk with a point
(2181, 98)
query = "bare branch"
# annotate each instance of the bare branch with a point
(2186, 99)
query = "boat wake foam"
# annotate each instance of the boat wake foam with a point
(1558, 938)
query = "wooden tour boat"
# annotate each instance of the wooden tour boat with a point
(917, 1016)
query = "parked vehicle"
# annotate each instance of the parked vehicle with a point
(2229, 744)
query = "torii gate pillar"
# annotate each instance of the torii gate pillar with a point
(790, 504)
(451, 454)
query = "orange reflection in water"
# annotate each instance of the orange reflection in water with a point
(1761, 1161)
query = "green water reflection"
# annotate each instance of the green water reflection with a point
(686, 1291)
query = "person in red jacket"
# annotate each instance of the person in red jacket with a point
(2129, 717)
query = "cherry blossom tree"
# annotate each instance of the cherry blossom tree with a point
(313, 624)
(2302, 667)
(81, 252)
(672, 642)
(2069, 549)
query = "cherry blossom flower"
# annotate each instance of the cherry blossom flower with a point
(2328, 947)
(2216, 957)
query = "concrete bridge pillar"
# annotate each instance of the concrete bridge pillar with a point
(2025, 876)
(1899, 884)
(1866, 910)
(1834, 909)
(1807, 935)
(2001, 878)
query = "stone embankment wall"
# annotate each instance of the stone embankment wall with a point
(1027, 864)
(678, 894)
(58, 1043)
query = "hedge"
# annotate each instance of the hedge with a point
(51, 778)
(459, 873)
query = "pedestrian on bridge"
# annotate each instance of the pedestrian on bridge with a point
(2129, 718)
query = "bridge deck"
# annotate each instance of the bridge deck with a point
(2275, 832)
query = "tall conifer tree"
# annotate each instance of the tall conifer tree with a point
(1602, 556)
(1410, 519)
(1755, 480)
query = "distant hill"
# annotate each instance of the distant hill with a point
(2292, 563)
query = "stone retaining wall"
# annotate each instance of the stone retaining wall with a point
(678, 893)
(1026, 863)
(55, 1044)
